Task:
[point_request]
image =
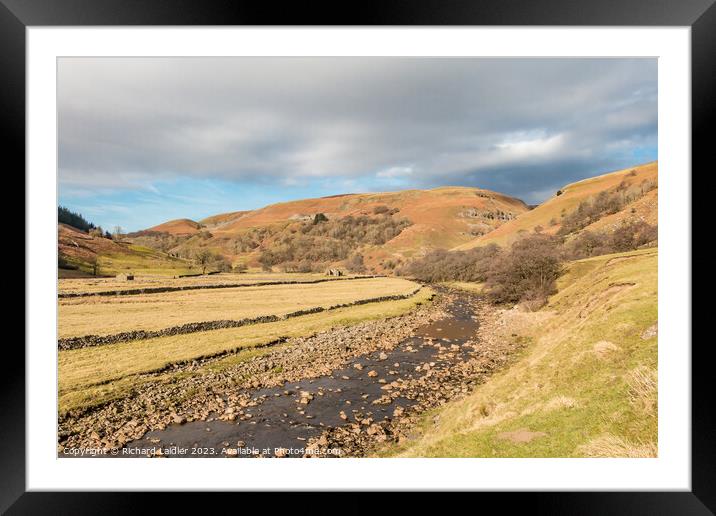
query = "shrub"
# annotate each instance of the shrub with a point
(441, 265)
(587, 244)
(633, 235)
(305, 266)
(319, 217)
(355, 263)
(627, 237)
(528, 272)
(97, 232)
(62, 263)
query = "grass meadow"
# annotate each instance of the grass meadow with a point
(106, 315)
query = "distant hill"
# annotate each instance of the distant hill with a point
(374, 232)
(634, 192)
(216, 221)
(177, 227)
(410, 221)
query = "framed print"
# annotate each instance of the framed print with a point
(415, 250)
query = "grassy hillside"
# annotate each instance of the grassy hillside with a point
(585, 385)
(216, 221)
(79, 252)
(550, 214)
(438, 218)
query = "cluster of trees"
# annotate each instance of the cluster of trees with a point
(71, 218)
(311, 245)
(100, 233)
(441, 265)
(605, 203)
(66, 216)
(164, 242)
(356, 231)
(527, 271)
(626, 237)
(252, 239)
(178, 246)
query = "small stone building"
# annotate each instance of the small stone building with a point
(125, 277)
(334, 272)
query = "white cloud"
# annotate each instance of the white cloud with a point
(394, 172)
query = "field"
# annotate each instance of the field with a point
(106, 315)
(91, 376)
(586, 384)
(92, 285)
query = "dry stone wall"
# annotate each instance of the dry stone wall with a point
(99, 340)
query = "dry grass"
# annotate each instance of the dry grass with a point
(82, 285)
(89, 376)
(613, 446)
(561, 402)
(114, 314)
(643, 386)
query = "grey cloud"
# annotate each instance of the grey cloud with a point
(523, 125)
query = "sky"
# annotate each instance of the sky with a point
(146, 140)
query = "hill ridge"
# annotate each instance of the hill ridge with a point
(551, 213)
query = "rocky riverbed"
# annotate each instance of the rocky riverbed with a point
(337, 393)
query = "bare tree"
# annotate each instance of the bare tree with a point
(202, 258)
(94, 263)
(117, 232)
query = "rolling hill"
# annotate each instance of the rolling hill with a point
(373, 232)
(177, 227)
(638, 186)
(409, 222)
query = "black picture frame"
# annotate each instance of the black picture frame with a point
(700, 15)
